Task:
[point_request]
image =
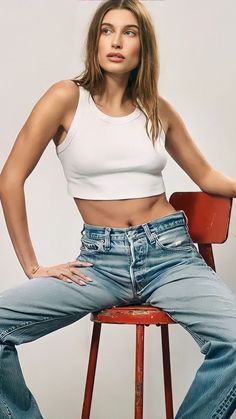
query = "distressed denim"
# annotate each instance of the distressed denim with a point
(152, 263)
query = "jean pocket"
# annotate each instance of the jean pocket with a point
(91, 245)
(174, 239)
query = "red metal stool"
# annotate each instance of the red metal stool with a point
(208, 222)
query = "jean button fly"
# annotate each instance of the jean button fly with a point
(130, 233)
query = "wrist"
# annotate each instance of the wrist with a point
(30, 272)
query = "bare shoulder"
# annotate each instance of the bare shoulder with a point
(42, 124)
(56, 100)
(65, 87)
(168, 114)
(68, 94)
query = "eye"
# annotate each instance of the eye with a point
(104, 29)
(107, 29)
(131, 32)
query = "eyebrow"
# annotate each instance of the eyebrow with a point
(126, 26)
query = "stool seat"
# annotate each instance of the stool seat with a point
(132, 314)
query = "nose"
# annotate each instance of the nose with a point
(116, 42)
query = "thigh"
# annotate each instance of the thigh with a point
(199, 300)
(44, 304)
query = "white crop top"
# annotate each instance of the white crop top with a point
(107, 157)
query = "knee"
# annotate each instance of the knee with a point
(5, 329)
(231, 350)
(7, 326)
(225, 349)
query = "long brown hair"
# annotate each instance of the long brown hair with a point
(142, 86)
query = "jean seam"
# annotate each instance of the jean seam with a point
(230, 396)
(224, 404)
(9, 415)
(3, 401)
(4, 334)
(9, 331)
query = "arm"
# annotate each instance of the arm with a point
(33, 138)
(184, 151)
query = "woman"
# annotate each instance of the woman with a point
(135, 247)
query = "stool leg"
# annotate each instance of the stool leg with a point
(91, 371)
(139, 371)
(167, 371)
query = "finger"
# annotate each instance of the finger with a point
(66, 279)
(82, 262)
(87, 279)
(81, 280)
(80, 275)
(78, 281)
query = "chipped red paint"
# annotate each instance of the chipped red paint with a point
(136, 314)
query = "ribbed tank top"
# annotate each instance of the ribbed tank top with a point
(106, 157)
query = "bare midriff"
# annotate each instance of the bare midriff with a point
(124, 212)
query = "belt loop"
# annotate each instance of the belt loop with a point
(107, 238)
(185, 216)
(150, 235)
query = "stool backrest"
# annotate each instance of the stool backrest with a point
(208, 219)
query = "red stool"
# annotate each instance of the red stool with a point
(208, 222)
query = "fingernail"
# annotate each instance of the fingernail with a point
(89, 279)
(89, 263)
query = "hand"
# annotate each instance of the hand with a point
(67, 272)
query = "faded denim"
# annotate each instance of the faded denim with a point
(151, 263)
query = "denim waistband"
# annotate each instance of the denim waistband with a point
(177, 218)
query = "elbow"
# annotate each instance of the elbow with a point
(7, 184)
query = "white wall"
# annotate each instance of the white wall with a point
(41, 43)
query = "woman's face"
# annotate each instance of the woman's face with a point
(119, 37)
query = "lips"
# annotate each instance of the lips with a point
(112, 54)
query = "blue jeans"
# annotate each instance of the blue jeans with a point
(152, 263)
